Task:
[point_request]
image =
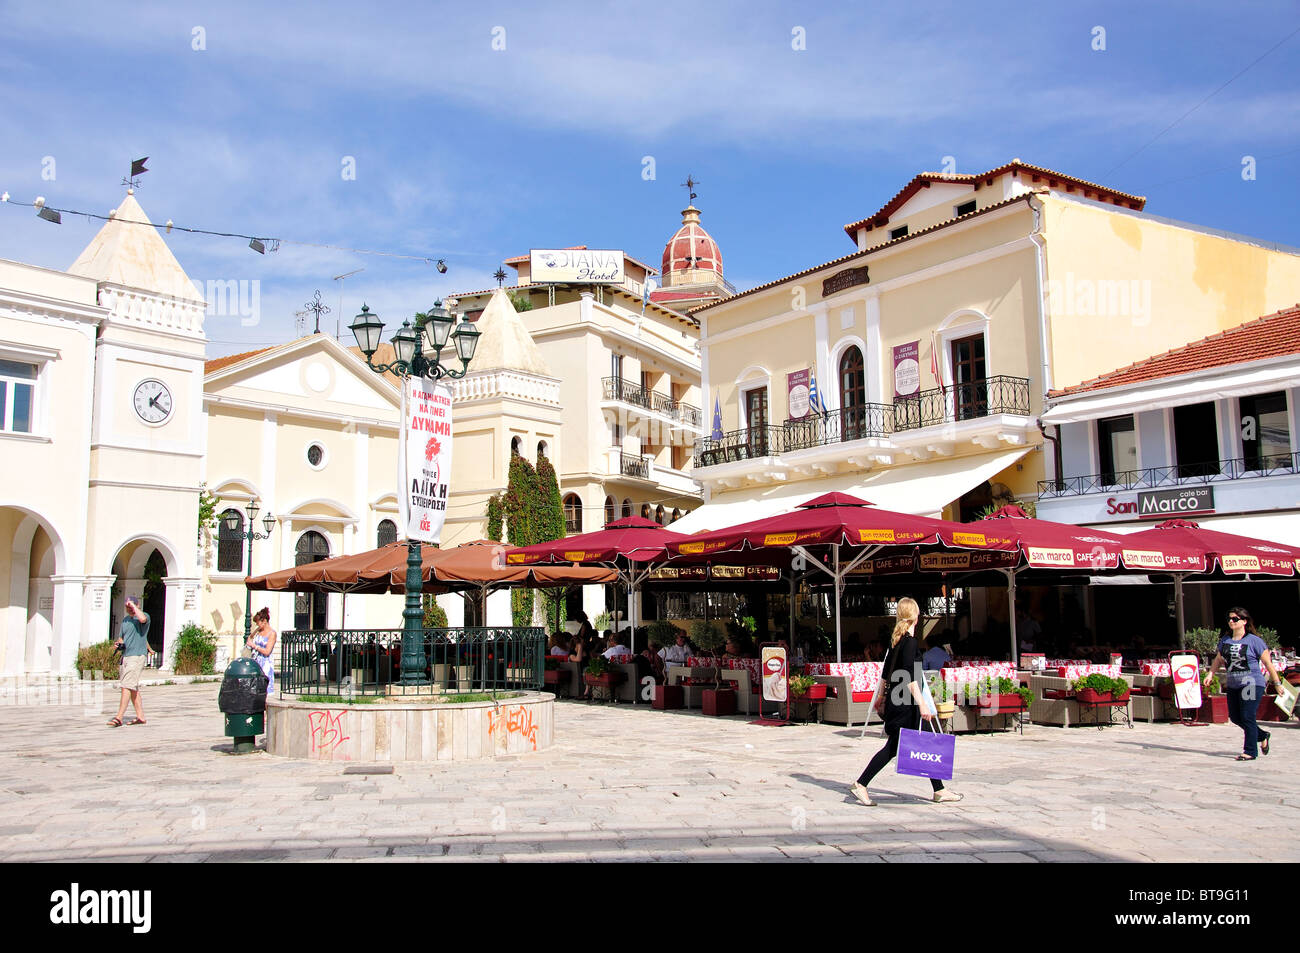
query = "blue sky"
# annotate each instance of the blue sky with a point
(474, 154)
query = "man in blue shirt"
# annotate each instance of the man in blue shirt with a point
(133, 637)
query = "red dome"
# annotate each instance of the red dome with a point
(691, 248)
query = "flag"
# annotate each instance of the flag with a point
(717, 418)
(934, 361)
(814, 397)
(137, 166)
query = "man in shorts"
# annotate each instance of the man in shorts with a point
(133, 637)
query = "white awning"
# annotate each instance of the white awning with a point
(921, 489)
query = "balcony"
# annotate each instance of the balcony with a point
(634, 465)
(752, 444)
(943, 405)
(633, 394)
(838, 426)
(1187, 474)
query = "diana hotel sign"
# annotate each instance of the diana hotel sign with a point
(577, 265)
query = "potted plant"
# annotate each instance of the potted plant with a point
(1119, 689)
(601, 676)
(1002, 695)
(1214, 704)
(944, 704)
(805, 687)
(1093, 688)
(708, 637)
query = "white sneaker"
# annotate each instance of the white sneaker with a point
(860, 792)
(946, 797)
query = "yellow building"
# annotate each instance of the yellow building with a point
(932, 345)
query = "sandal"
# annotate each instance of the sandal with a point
(1263, 745)
(138, 721)
(115, 723)
(1244, 757)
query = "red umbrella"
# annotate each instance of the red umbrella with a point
(1236, 555)
(619, 545)
(1048, 545)
(836, 520)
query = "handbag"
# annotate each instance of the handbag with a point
(926, 754)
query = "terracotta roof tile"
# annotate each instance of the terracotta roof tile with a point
(923, 180)
(1273, 335)
(219, 363)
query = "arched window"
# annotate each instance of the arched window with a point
(659, 515)
(853, 396)
(387, 533)
(572, 514)
(611, 510)
(646, 512)
(309, 608)
(230, 544)
(627, 508)
(516, 444)
(541, 449)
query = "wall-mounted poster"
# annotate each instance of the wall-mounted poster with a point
(907, 369)
(797, 394)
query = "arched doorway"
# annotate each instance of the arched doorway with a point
(310, 608)
(154, 595)
(140, 569)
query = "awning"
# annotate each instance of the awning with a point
(1282, 526)
(921, 489)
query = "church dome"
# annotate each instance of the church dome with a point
(691, 255)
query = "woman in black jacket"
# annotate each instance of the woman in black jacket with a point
(902, 700)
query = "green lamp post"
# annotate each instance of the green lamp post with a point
(432, 330)
(232, 522)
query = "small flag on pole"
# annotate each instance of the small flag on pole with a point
(717, 418)
(815, 397)
(934, 360)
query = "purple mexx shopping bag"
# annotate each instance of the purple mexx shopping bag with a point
(926, 754)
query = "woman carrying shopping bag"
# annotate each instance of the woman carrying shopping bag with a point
(901, 693)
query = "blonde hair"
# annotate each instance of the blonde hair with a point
(908, 613)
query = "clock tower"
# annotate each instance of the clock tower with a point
(147, 428)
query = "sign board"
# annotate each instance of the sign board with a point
(576, 265)
(907, 369)
(98, 598)
(1163, 504)
(796, 386)
(842, 280)
(1186, 670)
(775, 673)
(427, 457)
(191, 598)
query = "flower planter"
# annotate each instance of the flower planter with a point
(945, 710)
(1001, 705)
(554, 676)
(1167, 690)
(1090, 696)
(718, 701)
(816, 693)
(1214, 709)
(669, 698)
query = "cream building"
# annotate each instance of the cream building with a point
(932, 345)
(101, 377)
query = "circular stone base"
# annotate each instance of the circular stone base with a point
(402, 731)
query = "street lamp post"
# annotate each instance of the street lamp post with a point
(232, 527)
(433, 329)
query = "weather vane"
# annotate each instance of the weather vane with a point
(132, 181)
(317, 307)
(689, 185)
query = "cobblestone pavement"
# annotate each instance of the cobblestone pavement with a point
(632, 784)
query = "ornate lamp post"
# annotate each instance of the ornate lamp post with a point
(232, 527)
(431, 330)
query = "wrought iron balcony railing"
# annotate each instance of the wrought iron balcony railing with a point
(838, 426)
(629, 392)
(748, 444)
(942, 405)
(634, 465)
(1240, 468)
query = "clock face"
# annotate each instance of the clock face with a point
(153, 401)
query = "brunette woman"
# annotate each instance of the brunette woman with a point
(262, 642)
(1244, 657)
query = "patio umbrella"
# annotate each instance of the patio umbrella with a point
(626, 545)
(837, 521)
(1044, 544)
(1235, 555)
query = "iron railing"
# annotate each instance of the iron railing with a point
(629, 392)
(838, 426)
(748, 444)
(634, 465)
(368, 661)
(994, 395)
(1195, 474)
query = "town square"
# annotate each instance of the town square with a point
(692, 434)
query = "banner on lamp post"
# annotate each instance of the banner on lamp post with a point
(426, 435)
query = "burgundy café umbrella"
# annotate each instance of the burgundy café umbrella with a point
(626, 545)
(837, 520)
(1235, 555)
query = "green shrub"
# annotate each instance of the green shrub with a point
(707, 636)
(663, 632)
(98, 658)
(1269, 636)
(196, 651)
(1204, 640)
(434, 616)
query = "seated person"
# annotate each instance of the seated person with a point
(648, 663)
(616, 648)
(678, 653)
(559, 646)
(732, 650)
(936, 656)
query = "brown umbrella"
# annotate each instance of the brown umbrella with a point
(481, 565)
(344, 573)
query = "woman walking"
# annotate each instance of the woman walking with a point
(1244, 657)
(903, 701)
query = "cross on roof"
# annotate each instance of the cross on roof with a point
(689, 185)
(317, 307)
